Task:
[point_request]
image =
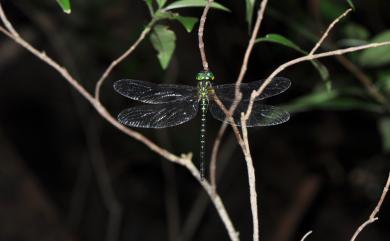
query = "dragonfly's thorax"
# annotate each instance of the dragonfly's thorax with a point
(203, 90)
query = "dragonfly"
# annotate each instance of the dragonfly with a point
(170, 105)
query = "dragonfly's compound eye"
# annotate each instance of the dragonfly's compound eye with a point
(205, 75)
(200, 76)
(210, 75)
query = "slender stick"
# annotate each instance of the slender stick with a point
(7, 23)
(114, 63)
(330, 27)
(310, 56)
(306, 235)
(373, 216)
(307, 58)
(251, 180)
(200, 35)
(364, 80)
(238, 96)
(251, 44)
(184, 160)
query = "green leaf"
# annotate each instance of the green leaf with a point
(310, 101)
(351, 4)
(384, 128)
(323, 71)
(356, 31)
(149, 3)
(187, 22)
(279, 39)
(161, 3)
(383, 82)
(65, 5)
(331, 100)
(164, 41)
(376, 57)
(249, 11)
(194, 3)
(331, 9)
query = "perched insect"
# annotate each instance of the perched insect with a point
(171, 105)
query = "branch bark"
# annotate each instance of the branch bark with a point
(374, 214)
(114, 63)
(202, 23)
(184, 160)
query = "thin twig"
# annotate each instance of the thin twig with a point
(197, 211)
(373, 216)
(251, 44)
(238, 95)
(303, 59)
(206, 9)
(256, 93)
(229, 117)
(330, 27)
(306, 235)
(7, 23)
(251, 180)
(184, 160)
(114, 63)
(364, 80)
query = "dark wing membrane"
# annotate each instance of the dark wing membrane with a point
(275, 87)
(262, 115)
(151, 93)
(159, 115)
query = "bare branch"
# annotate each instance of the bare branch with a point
(364, 80)
(251, 179)
(307, 58)
(114, 63)
(373, 216)
(252, 41)
(238, 96)
(230, 118)
(306, 235)
(7, 23)
(184, 160)
(200, 35)
(330, 27)
(256, 93)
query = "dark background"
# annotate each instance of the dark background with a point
(66, 174)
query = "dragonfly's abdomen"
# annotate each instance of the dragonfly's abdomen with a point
(203, 107)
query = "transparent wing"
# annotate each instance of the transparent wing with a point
(159, 115)
(262, 115)
(275, 87)
(151, 93)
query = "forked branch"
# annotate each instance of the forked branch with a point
(123, 56)
(374, 214)
(311, 56)
(184, 160)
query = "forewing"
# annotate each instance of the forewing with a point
(262, 115)
(159, 115)
(275, 87)
(151, 93)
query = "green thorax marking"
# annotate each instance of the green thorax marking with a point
(204, 79)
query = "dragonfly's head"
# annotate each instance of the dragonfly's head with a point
(205, 75)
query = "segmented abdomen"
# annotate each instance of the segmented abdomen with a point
(203, 108)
